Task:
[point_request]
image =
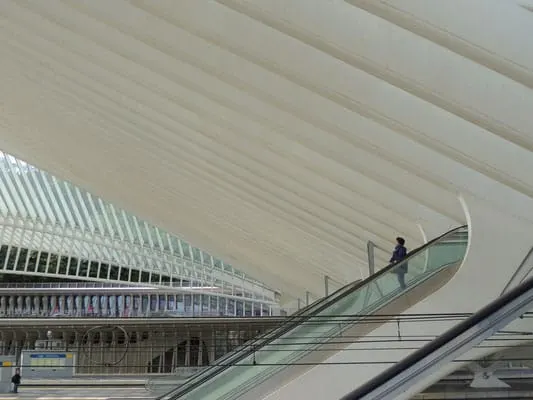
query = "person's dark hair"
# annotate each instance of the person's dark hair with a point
(400, 240)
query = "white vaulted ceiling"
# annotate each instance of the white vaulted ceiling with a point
(280, 135)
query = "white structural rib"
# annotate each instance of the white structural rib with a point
(280, 135)
(52, 228)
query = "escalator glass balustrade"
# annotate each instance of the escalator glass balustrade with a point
(303, 340)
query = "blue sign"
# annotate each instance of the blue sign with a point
(47, 355)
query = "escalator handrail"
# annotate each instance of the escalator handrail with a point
(264, 336)
(250, 346)
(295, 321)
(520, 272)
(408, 362)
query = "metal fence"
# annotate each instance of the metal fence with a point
(139, 349)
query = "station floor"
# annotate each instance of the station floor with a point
(84, 393)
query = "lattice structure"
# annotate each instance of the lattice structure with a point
(52, 228)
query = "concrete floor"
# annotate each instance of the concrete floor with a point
(86, 393)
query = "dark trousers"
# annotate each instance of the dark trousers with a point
(401, 278)
(15, 387)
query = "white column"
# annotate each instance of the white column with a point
(212, 346)
(188, 350)
(3, 305)
(200, 349)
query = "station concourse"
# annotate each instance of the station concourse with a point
(238, 170)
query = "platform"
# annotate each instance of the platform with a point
(86, 388)
(79, 394)
(89, 381)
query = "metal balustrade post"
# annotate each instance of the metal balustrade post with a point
(370, 246)
(326, 286)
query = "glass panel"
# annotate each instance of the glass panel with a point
(104, 270)
(93, 270)
(235, 375)
(72, 266)
(135, 275)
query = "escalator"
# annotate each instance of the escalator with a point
(302, 341)
(394, 382)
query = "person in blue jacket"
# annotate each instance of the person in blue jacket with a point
(399, 253)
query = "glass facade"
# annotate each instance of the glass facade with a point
(51, 228)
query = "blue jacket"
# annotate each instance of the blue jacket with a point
(399, 253)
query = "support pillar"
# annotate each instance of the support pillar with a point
(200, 349)
(90, 353)
(212, 346)
(188, 350)
(140, 354)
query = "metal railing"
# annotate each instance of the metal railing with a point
(73, 285)
(316, 309)
(459, 339)
(521, 273)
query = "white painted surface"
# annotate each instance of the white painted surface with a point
(279, 135)
(492, 257)
(283, 135)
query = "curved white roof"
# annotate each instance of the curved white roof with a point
(43, 214)
(280, 135)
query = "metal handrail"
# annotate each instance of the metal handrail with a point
(447, 347)
(65, 285)
(515, 280)
(293, 321)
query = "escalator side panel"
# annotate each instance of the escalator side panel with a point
(357, 330)
(367, 299)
